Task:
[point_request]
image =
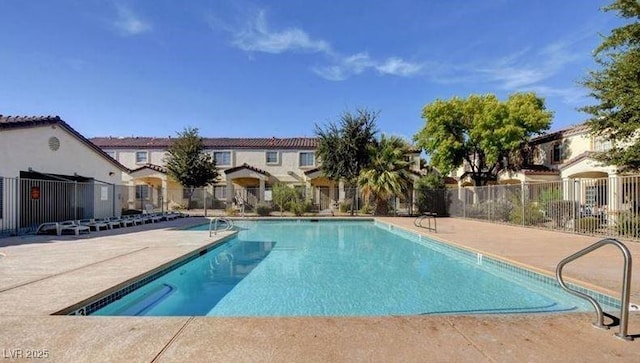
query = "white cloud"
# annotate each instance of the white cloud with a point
(257, 37)
(347, 66)
(129, 23)
(398, 67)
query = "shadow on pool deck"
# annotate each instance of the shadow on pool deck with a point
(41, 274)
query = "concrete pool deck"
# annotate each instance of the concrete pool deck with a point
(40, 275)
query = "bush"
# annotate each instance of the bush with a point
(532, 215)
(299, 207)
(263, 209)
(587, 224)
(366, 209)
(562, 211)
(231, 211)
(628, 225)
(345, 206)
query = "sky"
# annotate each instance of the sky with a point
(241, 68)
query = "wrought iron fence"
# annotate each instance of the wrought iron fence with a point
(594, 206)
(597, 206)
(27, 203)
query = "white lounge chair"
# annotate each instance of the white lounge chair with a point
(93, 224)
(49, 228)
(72, 226)
(121, 221)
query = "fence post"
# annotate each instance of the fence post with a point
(204, 193)
(522, 201)
(464, 202)
(18, 204)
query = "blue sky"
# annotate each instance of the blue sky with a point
(277, 68)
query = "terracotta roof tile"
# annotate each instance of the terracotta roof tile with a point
(209, 143)
(246, 166)
(154, 167)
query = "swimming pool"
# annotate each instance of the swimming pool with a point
(326, 268)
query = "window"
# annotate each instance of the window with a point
(307, 159)
(142, 157)
(222, 158)
(272, 157)
(220, 192)
(596, 195)
(557, 153)
(142, 192)
(601, 144)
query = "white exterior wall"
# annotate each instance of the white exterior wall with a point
(24, 148)
(288, 161)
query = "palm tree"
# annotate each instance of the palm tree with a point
(388, 173)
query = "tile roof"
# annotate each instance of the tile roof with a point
(153, 167)
(246, 166)
(210, 143)
(17, 122)
(559, 134)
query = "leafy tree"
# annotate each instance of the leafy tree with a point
(616, 87)
(344, 148)
(188, 164)
(431, 194)
(282, 196)
(388, 173)
(480, 131)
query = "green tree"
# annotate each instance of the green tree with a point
(388, 173)
(343, 148)
(431, 193)
(480, 132)
(282, 196)
(188, 164)
(616, 87)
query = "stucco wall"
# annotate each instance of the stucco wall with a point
(21, 149)
(288, 161)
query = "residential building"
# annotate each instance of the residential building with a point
(43, 156)
(249, 167)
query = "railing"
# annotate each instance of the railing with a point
(213, 225)
(418, 222)
(626, 285)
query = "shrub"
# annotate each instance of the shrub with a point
(366, 209)
(263, 209)
(628, 225)
(299, 207)
(587, 224)
(345, 206)
(231, 211)
(562, 211)
(532, 214)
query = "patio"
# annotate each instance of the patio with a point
(40, 275)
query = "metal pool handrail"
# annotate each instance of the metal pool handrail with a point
(429, 216)
(626, 285)
(214, 222)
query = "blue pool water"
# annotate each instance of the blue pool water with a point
(300, 268)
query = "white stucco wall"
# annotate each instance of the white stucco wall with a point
(21, 149)
(24, 148)
(288, 161)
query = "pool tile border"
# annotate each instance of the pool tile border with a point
(500, 265)
(95, 305)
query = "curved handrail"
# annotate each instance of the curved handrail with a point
(214, 222)
(418, 221)
(626, 285)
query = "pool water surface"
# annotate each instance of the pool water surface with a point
(354, 268)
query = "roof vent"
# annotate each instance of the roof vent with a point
(54, 143)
